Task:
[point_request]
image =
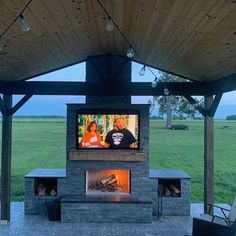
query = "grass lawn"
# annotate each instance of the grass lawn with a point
(40, 143)
(179, 149)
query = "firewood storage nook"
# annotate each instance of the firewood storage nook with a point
(102, 183)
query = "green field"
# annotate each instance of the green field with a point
(40, 143)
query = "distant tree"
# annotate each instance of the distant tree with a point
(231, 117)
(172, 104)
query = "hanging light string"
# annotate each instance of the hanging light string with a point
(124, 36)
(131, 49)
(19, 16)
(116, 25)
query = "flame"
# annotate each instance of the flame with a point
(122, 176)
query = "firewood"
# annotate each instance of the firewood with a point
(107, 184)
(112, 181)
(109, 178)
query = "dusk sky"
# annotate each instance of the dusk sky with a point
(55, 105)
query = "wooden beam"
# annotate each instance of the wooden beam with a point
(208, 155)
(195, 103)
(20, 104)
(6, 160)
(123, 66)
(100, 74)
(215, 104)
(2, 108)
(225, 84)
(106, 89)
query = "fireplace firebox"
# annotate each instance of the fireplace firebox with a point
(107, 181)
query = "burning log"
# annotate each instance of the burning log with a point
(107, 184)
(108, 179)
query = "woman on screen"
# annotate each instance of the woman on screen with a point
(92, 138)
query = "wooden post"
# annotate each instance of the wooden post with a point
(208, 154)
(6, 159)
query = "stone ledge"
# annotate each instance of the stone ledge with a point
(47, 173)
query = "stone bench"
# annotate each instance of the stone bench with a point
(107, 209)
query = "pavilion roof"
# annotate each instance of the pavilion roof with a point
(193, 39)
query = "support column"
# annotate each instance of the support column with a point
(208, 154)
(6, 159)
(112, 70)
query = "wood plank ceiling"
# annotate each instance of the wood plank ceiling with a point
(195, 39)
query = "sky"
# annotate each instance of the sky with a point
(56, 105)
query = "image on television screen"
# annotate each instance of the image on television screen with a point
(108, 131)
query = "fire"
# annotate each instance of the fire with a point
(108, 181)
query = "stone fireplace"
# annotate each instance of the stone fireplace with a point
(111, 181)
(114, 185)
(98, 177)
(105, 185)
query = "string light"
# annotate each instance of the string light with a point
(24, 24)
(154, 83)
(109, 24)
(25, 27)
(166, 92)
(142, 71)
(130, 52)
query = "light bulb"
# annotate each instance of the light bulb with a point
(130, 52)
(25, 27)
(154, 83)
(166, 92)
(109, 24)
(142, 71)
(1, 46)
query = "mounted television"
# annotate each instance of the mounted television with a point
(107, 129)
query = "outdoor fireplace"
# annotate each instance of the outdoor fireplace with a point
(111, 181)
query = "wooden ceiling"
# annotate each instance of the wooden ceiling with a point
(195, 39)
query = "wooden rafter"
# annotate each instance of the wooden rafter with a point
(196, 104)
(209, 111)
(12, 110)
(20, 104)
(2, 107)
(215, 104)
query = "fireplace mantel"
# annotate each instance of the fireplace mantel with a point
(107, 155)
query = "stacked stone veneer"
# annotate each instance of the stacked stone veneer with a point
(35, 204)
(141, 186)
(178, 206)
(107, 212)
(170, 205)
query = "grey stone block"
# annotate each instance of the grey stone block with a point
(106, 212)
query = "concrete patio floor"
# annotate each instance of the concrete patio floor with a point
(39, 225)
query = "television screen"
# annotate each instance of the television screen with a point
(108, 130)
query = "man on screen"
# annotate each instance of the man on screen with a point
(120, 137)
